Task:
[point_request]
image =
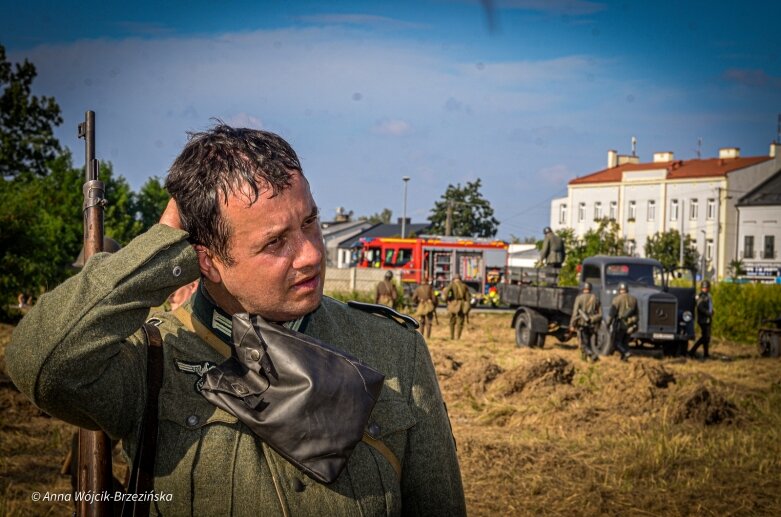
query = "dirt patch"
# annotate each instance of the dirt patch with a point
(444, 364)
(473, 376)
(550, 372)
(704, 405)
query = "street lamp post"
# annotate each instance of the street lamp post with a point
(405, 179)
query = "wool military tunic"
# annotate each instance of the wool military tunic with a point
(80, 356)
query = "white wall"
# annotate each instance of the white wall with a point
(760, 221)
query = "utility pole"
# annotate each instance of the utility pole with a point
(405, 179)
(681, 215)
(449, 218)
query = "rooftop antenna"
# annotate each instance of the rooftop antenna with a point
(634, 146)
(699, 148)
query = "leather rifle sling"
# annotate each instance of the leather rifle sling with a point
(142, 477)
(194, 325)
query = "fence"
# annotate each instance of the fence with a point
(352, 279)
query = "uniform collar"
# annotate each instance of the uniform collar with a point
(220, 322)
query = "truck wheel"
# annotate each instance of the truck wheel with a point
(524, 335)
(604, 345)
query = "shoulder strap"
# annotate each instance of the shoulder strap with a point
(193, 324)
(142, 478)
(382, 310)
(385, 451)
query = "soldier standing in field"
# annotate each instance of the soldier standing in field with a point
(385, 292)
(586, 315)
(704, 319)
(427, 303)
(242, 219)
(623, 316)
(457, 297)
(552, 252)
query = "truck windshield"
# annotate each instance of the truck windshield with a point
(637, 274)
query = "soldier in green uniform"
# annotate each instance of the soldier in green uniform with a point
(385, 292)
(457, 297)
(243, 220)
(552, 252)
(427, 303)
(586, 315)
(704, 318)
(623, 312)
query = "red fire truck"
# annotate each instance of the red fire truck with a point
(480, 262)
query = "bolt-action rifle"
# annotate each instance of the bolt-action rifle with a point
(94, 446)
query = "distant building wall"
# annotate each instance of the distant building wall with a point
(353, 279)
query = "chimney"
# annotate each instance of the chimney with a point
(665, 156)
(729, 152)
(773, 146)
(612, 159)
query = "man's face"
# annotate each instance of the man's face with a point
(278, 255)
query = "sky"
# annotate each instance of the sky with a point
(523, 94)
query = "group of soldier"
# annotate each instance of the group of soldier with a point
(425, 298)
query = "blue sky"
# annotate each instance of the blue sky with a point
(525, 94)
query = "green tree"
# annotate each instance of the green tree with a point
(383, 217)
(666, 248)
(471, 213)
(151, 202)
(27, 122)
(605, 239)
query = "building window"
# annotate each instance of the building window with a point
(597, 211)
(613, 209)
(748, 246)
(563, 214)
(652, 210)
(673, 210)
(632, 211)
(770, 247)
(581, 212)
(709, 250)
(710, 213)
(693, 209)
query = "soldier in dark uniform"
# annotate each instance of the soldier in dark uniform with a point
(427, 303)
(385, 292)
(241, 218)
(457, 297)
(586, 316)
(552, 252)
(623, 312)
(704, 309)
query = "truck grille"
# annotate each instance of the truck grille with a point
(662, 314)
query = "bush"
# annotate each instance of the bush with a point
(740, 309)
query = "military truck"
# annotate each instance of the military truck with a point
(665, 302)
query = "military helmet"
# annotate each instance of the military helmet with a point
(546, 230)
(705, 284)
(388, 275)
(623, 287)
(109, 246)
(587, 286)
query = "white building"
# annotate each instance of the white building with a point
(696, 197)
(759, 231)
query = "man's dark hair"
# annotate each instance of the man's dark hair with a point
(218, 163)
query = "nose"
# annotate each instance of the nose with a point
(309, 252)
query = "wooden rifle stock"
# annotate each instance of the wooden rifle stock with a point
(94, 462)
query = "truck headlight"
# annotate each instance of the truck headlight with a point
(687, 316)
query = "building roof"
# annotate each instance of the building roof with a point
(677, 169)
(386, 230)
(766, 193)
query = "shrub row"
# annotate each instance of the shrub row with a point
(741, 308)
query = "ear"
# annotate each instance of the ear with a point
(207, 264)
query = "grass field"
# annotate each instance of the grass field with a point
(541, 432)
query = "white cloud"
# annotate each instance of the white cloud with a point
(392, 128)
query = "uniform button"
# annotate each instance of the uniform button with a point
(374, 430)
(298, 485)
(254, 355)
(192, 420)
(177, 271)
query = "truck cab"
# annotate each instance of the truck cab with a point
(665, 299)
